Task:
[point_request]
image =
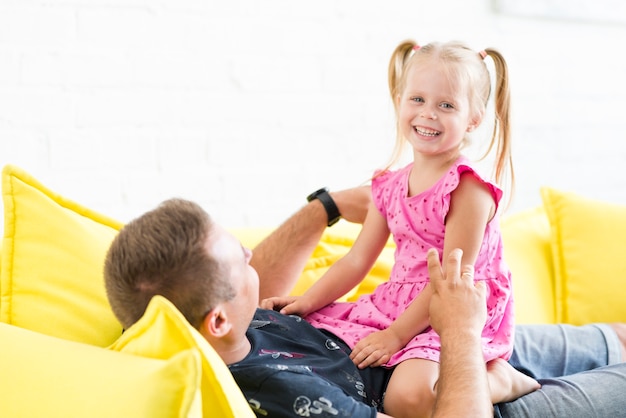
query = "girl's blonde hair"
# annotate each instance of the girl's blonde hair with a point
(467, 68)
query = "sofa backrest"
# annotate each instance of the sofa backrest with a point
(528, 253)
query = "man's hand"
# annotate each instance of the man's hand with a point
(457, 302)
(376, 349)
(458, 312)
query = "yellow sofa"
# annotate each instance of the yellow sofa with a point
(62, 352)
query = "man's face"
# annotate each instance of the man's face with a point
(235, 259)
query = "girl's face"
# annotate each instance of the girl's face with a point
(433, 113)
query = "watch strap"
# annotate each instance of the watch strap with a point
(332, 211)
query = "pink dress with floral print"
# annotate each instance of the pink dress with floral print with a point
(417, 224)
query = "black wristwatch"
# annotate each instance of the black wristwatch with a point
(332, 211)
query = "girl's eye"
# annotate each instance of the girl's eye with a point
(417, 99)
(447, 106)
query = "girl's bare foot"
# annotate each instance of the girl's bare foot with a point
(620, 330)
(506, 383)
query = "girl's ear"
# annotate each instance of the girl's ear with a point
(475, 122)
(216, 323)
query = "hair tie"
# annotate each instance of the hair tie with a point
(483, 54)
(416, 47)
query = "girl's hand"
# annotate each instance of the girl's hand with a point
(287, 305)
(376, 349)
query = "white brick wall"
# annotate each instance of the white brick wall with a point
(246, 106)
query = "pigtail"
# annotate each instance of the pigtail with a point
(501, 136)
(399, 57)
(396, 70)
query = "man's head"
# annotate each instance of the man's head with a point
(177, 251)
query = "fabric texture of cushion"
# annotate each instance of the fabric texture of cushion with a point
(528, 254)
(52, 259)
(589, 262)
(161, 333)
(334, 244)
(44, 376)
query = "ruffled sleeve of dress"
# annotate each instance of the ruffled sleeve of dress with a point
(453, 177)
(386, 185)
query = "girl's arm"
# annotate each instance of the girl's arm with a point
(280, 258)
(346, 273)
(471, 208)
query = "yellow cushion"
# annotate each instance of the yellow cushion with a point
(161, 333)
(334, 244)
(52, 256)
(589, 257)
(527, 252)
(44, 376)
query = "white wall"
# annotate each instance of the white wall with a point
(246, 106)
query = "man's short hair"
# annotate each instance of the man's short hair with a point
(164, 252)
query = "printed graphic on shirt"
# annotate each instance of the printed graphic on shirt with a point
(304, 407)
(256, 407)
(332, 346)
(276, 354)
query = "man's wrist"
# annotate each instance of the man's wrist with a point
(467, 335)
(332, 211)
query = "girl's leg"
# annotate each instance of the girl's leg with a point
(506, 383)
(411, 389)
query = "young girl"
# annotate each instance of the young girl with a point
(440, 94)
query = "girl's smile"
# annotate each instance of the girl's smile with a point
(426, 132)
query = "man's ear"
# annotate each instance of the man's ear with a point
(216, 323)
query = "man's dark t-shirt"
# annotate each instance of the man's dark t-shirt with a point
(294, 369)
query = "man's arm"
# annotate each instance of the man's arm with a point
(280, 258)
(458, 313)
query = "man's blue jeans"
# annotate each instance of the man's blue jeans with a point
(581, 374)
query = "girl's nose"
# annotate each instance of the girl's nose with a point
(428, 114)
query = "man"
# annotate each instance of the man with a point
(286, 367)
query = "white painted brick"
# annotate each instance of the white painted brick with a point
(247, 106)
(128, 107)
(104, 150)
(9, 68)
(28, 148)
(36, 106)
(29, 25)
(117, 28)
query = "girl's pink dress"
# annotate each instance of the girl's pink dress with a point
(417, 224)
